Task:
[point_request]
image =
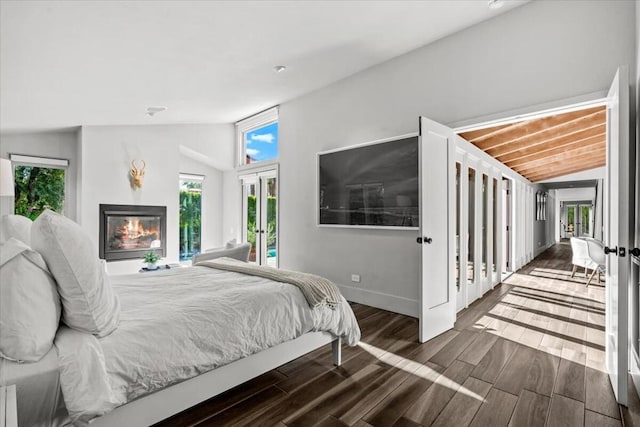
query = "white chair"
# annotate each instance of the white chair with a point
(597, 256)
(588, 254)
(237, 251)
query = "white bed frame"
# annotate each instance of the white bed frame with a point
(169, 401)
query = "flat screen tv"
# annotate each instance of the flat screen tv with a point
(370, 185)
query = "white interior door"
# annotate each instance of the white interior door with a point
(437, 228)
(617, 233)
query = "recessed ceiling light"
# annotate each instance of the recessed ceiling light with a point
(495, 4)
(151, 111)
(279, 68)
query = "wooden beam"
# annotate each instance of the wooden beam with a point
(479, 134)
(566, 152)
(599, 155)
(571, 131)
(542, 128)
(586, 137)
(557, 173)
(565, 170)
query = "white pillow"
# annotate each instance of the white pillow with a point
(89, 304)
(231, 244)
(17, 226)
(29, 303)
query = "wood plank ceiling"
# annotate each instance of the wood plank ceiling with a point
(548, 147)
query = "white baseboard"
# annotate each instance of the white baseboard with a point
(543, 248)
(401, 305)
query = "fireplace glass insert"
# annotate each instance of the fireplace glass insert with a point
(130, 231)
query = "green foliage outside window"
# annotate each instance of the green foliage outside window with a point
(584, 219)
(570, 215)
(190, 221)
(271, 220)
(38, 189)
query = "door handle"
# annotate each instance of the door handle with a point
(621, 252)
(635, 252)
(419, 240)
(428, 240)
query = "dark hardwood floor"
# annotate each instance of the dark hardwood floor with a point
(529, 353)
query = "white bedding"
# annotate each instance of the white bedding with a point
(39, 400)
(180, 323)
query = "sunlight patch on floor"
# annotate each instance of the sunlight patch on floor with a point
(417, 369)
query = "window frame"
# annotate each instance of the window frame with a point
(191, 177)
(249, 124)
(44, 162)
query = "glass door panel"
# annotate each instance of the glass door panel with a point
(250, 214)
(495, 224)
(485, 223)
(570, 227)
(585, 220)
(472, 228)
(270, 202)
(457, 243)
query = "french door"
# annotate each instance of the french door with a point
(437, 229)
(579, 220)
(260, 216)
(618, 202)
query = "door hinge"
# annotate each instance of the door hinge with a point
(507, 228)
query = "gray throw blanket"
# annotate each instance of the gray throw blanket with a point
(317, 290)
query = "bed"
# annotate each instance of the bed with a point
(183, 336)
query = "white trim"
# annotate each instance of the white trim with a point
(245, 125)
(552, 108)
(394, 303)
(364, 144)
(259, 119)
(39, 161)
(191, 177)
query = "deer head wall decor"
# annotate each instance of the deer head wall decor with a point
(137, 174)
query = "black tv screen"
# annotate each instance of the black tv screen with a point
(372, 185)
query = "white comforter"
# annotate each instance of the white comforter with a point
(180, 323)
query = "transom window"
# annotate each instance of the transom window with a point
(257, 138)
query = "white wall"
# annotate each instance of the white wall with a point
(54, 144)
(232, 214)
(576, 194)
(106, 155)
(532, 55)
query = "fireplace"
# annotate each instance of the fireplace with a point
(130, 231)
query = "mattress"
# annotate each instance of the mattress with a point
(180, 323)
(40, 402)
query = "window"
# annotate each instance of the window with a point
(257, 138)
(39, 184)
(190, 215)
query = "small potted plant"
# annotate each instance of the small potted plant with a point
(151, 258)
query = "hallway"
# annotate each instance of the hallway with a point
(530, 353)
(550, 343)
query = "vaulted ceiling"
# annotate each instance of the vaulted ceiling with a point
(547, 147)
